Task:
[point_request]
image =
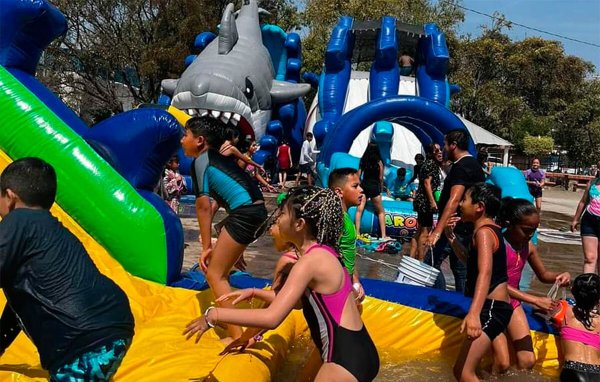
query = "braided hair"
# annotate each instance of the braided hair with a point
(322, 210)
(586, 290)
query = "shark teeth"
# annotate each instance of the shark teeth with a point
(225, 116)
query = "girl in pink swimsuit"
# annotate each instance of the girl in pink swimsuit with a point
(311, 218)
(521, 219)
(580, 332)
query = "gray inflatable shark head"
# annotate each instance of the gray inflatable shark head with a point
(233, 77)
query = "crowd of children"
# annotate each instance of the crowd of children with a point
(317, 270)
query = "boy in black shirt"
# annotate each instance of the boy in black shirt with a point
(79, 320)
(464, 173)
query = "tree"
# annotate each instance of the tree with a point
(320, 16)
(537, 146)
(515, 88)
(125, 48)
(578, 126)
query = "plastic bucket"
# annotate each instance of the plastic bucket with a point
(414, 272)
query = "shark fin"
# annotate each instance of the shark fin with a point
(168, 86)
(228, 34)
(283, 91)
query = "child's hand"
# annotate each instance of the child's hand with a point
(563, 279)
(360, 291)
(472, 325)
(205, 259)
(238, 345)
(545, 303)
(240, 295)
(199, 326)
(574, 225)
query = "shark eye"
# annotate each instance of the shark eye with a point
(249, 91)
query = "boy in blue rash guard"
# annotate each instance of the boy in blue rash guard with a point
(79, 320)
(222, 179)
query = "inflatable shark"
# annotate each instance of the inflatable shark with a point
(233, 77)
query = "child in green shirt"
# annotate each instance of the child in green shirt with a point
(346, 184)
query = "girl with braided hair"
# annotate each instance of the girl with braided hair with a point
(580, 331)
(311, 219)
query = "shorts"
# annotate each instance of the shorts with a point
(579, 372)
(246, 223)
(590, 225)
(495, 317)
(371, 188)
(425, 219)
(94, 366)
(406, 70)
(536, 192)
(306, 168)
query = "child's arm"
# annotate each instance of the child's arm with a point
(542, 302)
(485, 240)
(457, 246)
(267, 295)
(204, 214)
(580, 208)
(542, 273)
(236, 153)
(268, 318)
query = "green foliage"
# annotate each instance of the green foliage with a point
(578, 124)
(537, 146)
(519, 88)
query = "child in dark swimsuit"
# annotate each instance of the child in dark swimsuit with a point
(490, 311)
(311, 219)
(218, 177)
(580, 332)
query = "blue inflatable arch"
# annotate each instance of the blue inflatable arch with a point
(429, 120)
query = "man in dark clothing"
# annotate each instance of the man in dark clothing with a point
(464, 173)
(79, 320)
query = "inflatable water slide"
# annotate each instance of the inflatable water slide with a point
(105, 176)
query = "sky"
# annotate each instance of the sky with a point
(577, 19)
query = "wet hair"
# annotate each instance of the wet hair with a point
(459, 137)
(401, 172)
(514, 210)
(321, 208)
(32, 179)
(211, 129)
(586, 291)
(371, 157)
(339, 176)
(487, 194)
(231, 133)
(309, 135)
(174, 158)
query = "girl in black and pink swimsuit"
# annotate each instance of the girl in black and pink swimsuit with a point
(311, 219)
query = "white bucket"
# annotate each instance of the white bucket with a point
(414, 272)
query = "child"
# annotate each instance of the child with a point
(311, 219)
(486, 283)
(173, 183)
(220, 178)
(79, 320)
(522, 219)
(402, 189)
(346, 184)
(580, 331)
(229, 149)
(284, 159)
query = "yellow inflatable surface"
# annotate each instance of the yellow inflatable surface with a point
(159, 352)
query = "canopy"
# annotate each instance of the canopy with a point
(483, 137)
